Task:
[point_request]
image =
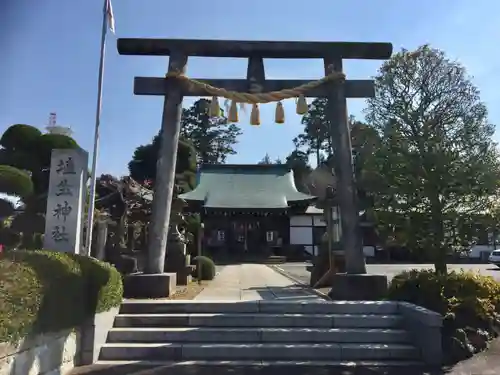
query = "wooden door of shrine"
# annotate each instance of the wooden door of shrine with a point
(247, 235)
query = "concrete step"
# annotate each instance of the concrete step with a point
(260, 320)
(274, 352)
(276, 307)
(275, 259)
(257, 335)
(202, 367)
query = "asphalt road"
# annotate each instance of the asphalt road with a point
(298, 270)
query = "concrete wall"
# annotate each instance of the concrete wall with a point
(425, 327)
(52, 354)
(301, 233)
(57, 353)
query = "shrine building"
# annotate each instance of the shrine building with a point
(255, 209)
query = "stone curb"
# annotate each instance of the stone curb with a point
(282, 272)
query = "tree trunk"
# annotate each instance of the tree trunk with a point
(440, 262)
(318, 158)
(437, 240)
(131, 237)
(121, 222)
(122, 231)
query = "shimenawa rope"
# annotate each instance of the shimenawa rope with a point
(257, 98)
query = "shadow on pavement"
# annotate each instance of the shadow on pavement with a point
(292, 292)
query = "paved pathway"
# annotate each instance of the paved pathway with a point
(250, 282)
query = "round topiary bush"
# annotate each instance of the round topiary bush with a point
(15, 182)
(44, 291)
(20, 137)
(207, 267)
(48, 142)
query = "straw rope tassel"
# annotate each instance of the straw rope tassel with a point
(279, 116)
(233, 112)
(255, 115)
(214, 107)
(302, 106)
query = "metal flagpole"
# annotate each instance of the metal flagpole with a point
(90, 216)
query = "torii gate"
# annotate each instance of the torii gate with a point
(175, 86)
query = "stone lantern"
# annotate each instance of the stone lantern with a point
(332, 214)
(177, 261)
(176, 218)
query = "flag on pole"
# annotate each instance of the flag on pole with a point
(110, 17)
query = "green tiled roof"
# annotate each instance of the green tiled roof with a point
(246, 186)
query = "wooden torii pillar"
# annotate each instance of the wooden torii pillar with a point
(174, 89)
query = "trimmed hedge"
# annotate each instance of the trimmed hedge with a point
(44, 291)
(469, 303)
(466, 295)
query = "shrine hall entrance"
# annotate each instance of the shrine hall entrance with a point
(245, 238)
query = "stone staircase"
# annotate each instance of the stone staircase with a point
(259, 332)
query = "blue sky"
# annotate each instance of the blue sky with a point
(50, 55)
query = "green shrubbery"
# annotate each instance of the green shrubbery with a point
(469, 302)
(207, 267)
(44, 291)
(14, 181)
(469, 296)
(9, 238)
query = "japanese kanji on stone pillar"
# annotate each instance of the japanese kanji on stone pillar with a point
(65, 202)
